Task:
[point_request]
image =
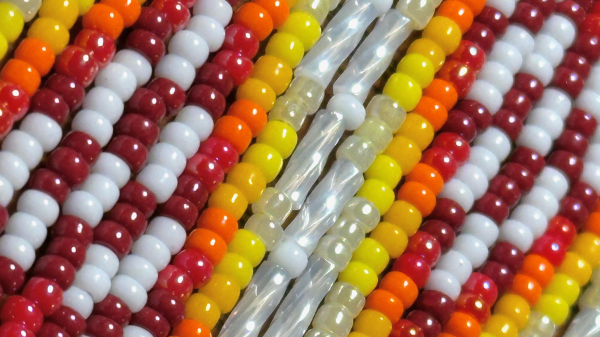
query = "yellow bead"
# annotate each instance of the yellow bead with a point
(248, 245)
(237, 267)
(359, 275)
(385, 169)
(501, 326)
(429, 49)
(50, 31)
(303, 26)
(286, 47)
(576, 267)
(418, 67)
(273, 72)
(377, 192)
(65, 11)
(3, 46)
(249, 180)
(391, 237)
(279, 136)
(266, 158)
(258, 92)
(564, 287)
(405, 152)
(357, 334)
(373, 254)
(84, 6)
(587, 245)
(514, 307)
(404, 90)
(11, 21)
(404, 215)
(418, 129)
(486, 334)
(201, 308)
(223, 290)
(444, 32)
(554, 307)
(229, 198)
(372, 323)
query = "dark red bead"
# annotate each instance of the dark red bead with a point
(51, 183)
(175, 280)
(426, 322)
(238, 66)
(529, 16)
(551, 248)
(518, 102)
(572, 141)
(530, 85)
(73, 227)
(139, 127)
(442, 161)
(493, 18)
(586, 5)
(459, 74)
(438, 304)
(562, 229)
(100, 47)
(148, 103)
(506, 188)
(492, 206)
(51, 330)
(113, 236)
(520, 174)
(215, 76)
(568, 80)
(177, 13)
(568, 163)
(482, 35)
(478, 113)
(155, 21)
(573, 210)
(20, 310)
(69, 164)
(221, 151)
(139, 196)
(14, 100)
(196, 264)
(585, 194)
(482, 286)
(509, 122)
(192, 189)
(13, 276)
(113, 308)
(591, 23)
(68, 248)
(572, 10)
(500, 275)
(55, 268)
(131, 150)
(76, 62)
(167, 305)
(46, 294)
(70, 90)
(171, 93)
(595, 9)
(206, 169)
(180, 209)
(529, 158)
(461, 124)
(441, 231)
(130, 217)
(470, 54)
(146, 43)
(84, 144)
(69, 320)
(414, 266)
(577, 63)
(546, 7)
(507, 254)
(12, 329)
(207, 98)
(406, 328)
(426, 246)
(240, 39)
(587, 45)
(152, 321)
(450, 212)
(50, 104)
(6, 122)
(473, 305)
(100, 326)
(582, 122)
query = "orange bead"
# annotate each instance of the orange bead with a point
(105, 19)
(457, 12)
(538, 268)
(443, 92)
(476, 6)
(251, 113)
(428, 176)
(461, 324)
(235, 131)
(592, 223)
(597, 208)
(218, 221)
(278, 9)
(209, 243)
(191, 328)
(419, 195)
(256, 18)
(37, 53)
(401, 286)
(527, 287)
(129, 9)
(23, 74)
(386, 303)
(443, 334)
(433, 111)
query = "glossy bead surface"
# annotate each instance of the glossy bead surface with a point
(167, 305)
(21, 310)
(207, 98)
(70, 320)
(482, 286)
(147, 43)
(177, 14)
(414, 266)
(196, 264)
(45, 293)
(171, 93)
(114, 308)
(216, 76)
(147, 103)
(241, 39)
(99, 46)
(473, 305)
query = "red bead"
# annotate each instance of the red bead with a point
(57, 269)
(587, 45)
(51, 330)
(76, 62)
(459, 74)
(69, 164)
(562, 229)
(73, 227)
(176, 281)
(461, 124)
(192, 189)
(520, 174)
(13, 276)
(113, 308)
(131, 150)
(12, 329)
(454, 144)
(14, 100)
(493, 206)
(482, 286)
(529, 158)
(147, 43)
(99, 46)
(70, 90)
(507, 254)
(438, 304)
(568, 163)
(406, 328)
(154, 21)
(550, 248)
(530, 85)
(573, 210)
(69, 320)
(426, 246)
(450, 212)
(481, 35)
(586, 5)
(180, 209)
(240, 39)
(414, 266)
(426, 322)
(528, 16)
(84, 144)
(68, 248)
(546, 7)
(238, 66)
(474, 306)
(509, 122)
(577, 63)
(493, 18)
(6, 122)
(19, 309)
(582, 122)
(46, 294)
(152, 321)
(568, 80)
(441, 231)
(167, 305)
(221, 151)
(585, 194)
(139, 196)
(470, 54)
(506, 188)
(205, 169)
(500, 275)
(113, 236)
(130, 217)
(50, 183)
(518, 102)
(207, 98)
(148, 103)
(50, 104)
(591, 23)
(572, 10)
(442, 161)
(572, 141)
(138, 127)
(170, 92)
(196, 264)
(100, 326)
(215, 76)
(177, 13)
(478, 113)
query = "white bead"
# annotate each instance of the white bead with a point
(444, 282)
(556, 100)
(456, 264)
(593, 81)
(548, 120)
(140, 270)
(481, 227)
(137, 63)
(153, 250)
(549, 48)
(25, 146)
(190, 46)
(103, 258)
(592, 154)
(290, 256)
(532, 217)
(516, 233)
(542, 199)
(219, 10)
(350, 108)
(208, 29)
(473, 177)
(6, 191)
(496, 141)
(459, 192)
(487, 94)
(112, 167)
(471, 247)
(119, 79)
(485, 160)
(106, 102)
(94, 281)
(589, 101)
(159, 180)
(507, 55)
(382, 6)
(135, 331)
(169, 231)
(104, 189)
(554, 181)
(94, 124)
(129, 291)
(497, 75)
(535, 138)
(40, 205)
(198, 119)
(167, 155)
(518, 36)
(176, 69)
(85, 206)
(78, 300)
(537, 65)
(14, 169)
(27, 227)
(595, 137)
(18, 250)
(591, 176)
(561, 28)
(45, 129)
(182, 137)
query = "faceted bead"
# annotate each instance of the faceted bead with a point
(199, 267)
(240, 39)
(131, 150)
(103, 326)
(146, 103)
(481, 35)
(175, 280)
(152, 321)
(529, 158)
(450, 212)
(113, 236)
(570, 164)
(470, 54)
(483, 286)
(441, 231)
(221, 151)
(426, 246)
(207, 98)
(147, 44)
(69, 164)
(238, 66)
(582, 122)
(438, 304)
(492, 206)
(477, 112)
(99, 46)
(426, 322)
(167, 305)
(50, 183)
(216, 76)
(442, 161)
(528, 16)
(75, 62)
(181, 210)
(585, 194)
(177, 13)
(405, 328)
(461, 124)
(13, 99)
(85, 145)
(509, 122)
(562, 229)
(70, 90)
(459, 74)
(573, 210)
(499, 273)
(474, 306)
(45, 293)
(572, 141)
(69, 249)
(155, 21)
(577, 63)
(414, 266)
(192, 189)
(50, 104)
(114, 308)
(69, 320)
(507, 254)
(139, 196)
(13, 276)
(518, 102)
(520, 174)
(568, 80)
(493, 18)
(171, 93)
(21, 310)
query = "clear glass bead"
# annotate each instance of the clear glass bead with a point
(332, 317)
(318, 333)
(289, 109)
(375, 131)
(335, 250)
(420, 11)
(347, 295)
(273, 203)
(268, 230)
(349, 229)
(309, 91)
(591, 297)
(28, 8)
(362, 210)
(538, 325)
(317, 8)
(387, 110)
(358, 151)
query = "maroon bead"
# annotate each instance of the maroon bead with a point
(568, 163)
(562, 229)
(139, 127)
(180, 209)
(240, 39)
(591, 23)
(459, 74)
(518, 102)
(442, 161)
(426, 246)
(100, 326)
(206, 169)
(68, 248)
(84, 144)
(450, 212)
(70, 90)
(113, 308)
(577, 63)
(438, 304)
(507, 254)
(406, 328)
(147, 103)
(215, 76)
(509, 122)
(500, 275)
(51, 330)
(207, 98)
(529, 158)
(155, 21)
(551, 248)
(177, 13)
(113, 236)
(46, 294)
(482, 35)
(77, 63)
(572, 141)
(492, 206)
(426, 322)
(582, 122)
(51, 183)
(130, 217)
(470, 54)
(171, 93)
(99, 46)
(192, 189)
(473, 305)
(587, 45)
(546, 7)
(478, 113)
(221, 151)
(21, 310)
(493, 18)
(50, 104)
(152, 321)
(147, 44)
(461, 124)
(131, 150)
(69, 164)
(441, 231)
(573, 210)
(482, 286)
(529, 16)
(176, 281)
(238, 66)
(167, 305)
(506, 188)
(568, 80)
(13, 329)
(530, 85)
(586, 5)
(139, 196)
(13, 276)
(572, 10)
(73, 227)
(69, 320)
(57, 269)
(413, 266)
(520, 174)
(585, 194)
(196, 264)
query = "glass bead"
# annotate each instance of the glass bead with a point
(51, 267)
(385, 169)
(28, 8)
(223, 290)
(405, 152)
(152, 321)
(357, 150)
(359, 275)
(208, 98)
(256, 18)
(129, 10)
(461, 124)
(577, 63)
(402, 286)
(419, 195)
(374, 323)
(51, 104)
(274, 203)
(176, 280)
(13, 276)
(237, 267)
(237, 65)
(508, 122)
(269, 231)
(335, 250)
(13, 21)
(539, 324)
(196, 264)
(444, 32)
(131, 150)
(426, 322)
(113, 236)
(404, 215)
(104, 326)
(391, 237)
(373, 254)
(155, 21)
(493, 206)
(527, 288)
(167, 305)
(556, 308)
(349, 229)
(22, 74)
(418, 129)
(287, 47)
(64, 11)
(513, 307)
(221, 151)
(576, 268)
(290, 110)
(70, 320)
(348, 296)
(430, 49)
(518, 102)
(176, 12)
(274, 72)
(304, 26)
(21, 310)
(481, 35)
(414, 266)
(105, 19)
(388, 110)
(432, 111)
(240, 39)
(51, 329)
(550, 248)
(483, 286)
(377, 192)
(84, 6)
(442, 161)
(499, 273)
(441, 231)
(439, 305)
(280, 136)
(405, 328)
(529, 16)
(266, 158)
(207, 242)
(251, 113)
(565, 287)
(418, 11)
(233, 130)
(146, 43)
(257, 91)
(172, 94)
(201, 308)
(249, 245)
(462, 325)
(331, 317)
(37, 53)
(418, 67)
(69, 164)
(500, 325)
(404, 90)
(191, 328)
(216, 76)
(51, 32)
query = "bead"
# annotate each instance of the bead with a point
(209, 243)
(418, 67)
(21, 310)
(538, 268)
(248, 245)
(103, 258)
(441, 231)
(386, 303)
(460, 75)
(481, 35)
(171, 232)
(507, 254)
(404, 90)
(456, 264)
(13, 21)
(287, 47)
(472, 248)
(258, 92)
(105, 19)
(237, 267)
(450, 36)
(216, 76)
(51, 267)
(576, 268)
(377, 192)
(79, 300)
(405, 152)
(177, 69)
(371, 253)
(513, 307)
(586, 245)
(304, 27)
(240, 39)
(51, 32)
(473, 305)
(373, 322)
(207, 98)
(129, 10)
(442, 161)
(175, 280)
(360, 275)
(482, 286)
(266, 158)
(70, 320)
(500, 325)
(554, 307)
(177, 14)
(404, 215)
(499, 274)
(191, 328)
(45, 293)
(202, 309)
(153, 250)
(130, 292)
(444, 282)
(565, 287)
(151, 320)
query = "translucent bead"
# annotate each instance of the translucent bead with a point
(538, 325)
(375, 131)
(419, 11)
(350, 230)
(274, 203)
(318, 333)
(309, 91)
(28, 8)
(289, 109)
(332, 317)
(335, 250)
(348, 296)
(388, 110)
(317, 8)
(269, 231)
(360, 152)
